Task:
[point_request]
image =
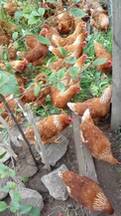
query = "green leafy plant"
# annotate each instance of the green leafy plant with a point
(15, 206)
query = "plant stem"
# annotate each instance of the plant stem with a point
(19, 128)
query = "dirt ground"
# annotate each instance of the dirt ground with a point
(109, 178)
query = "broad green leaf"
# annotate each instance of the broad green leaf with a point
(8, 83)
(61, 73)
(94, 90)
(5, 55)
(11, 185)
(52, 78)
(74, 71)
(14, 207)
(52, 59)
(15, 35)
(43, 40)
(77, 12)
(51, 1)
(35, 212)
(35, 13)
(33, 20)
(61, 86)
(71, 60)
(6, 171)
(37, 89)
(100, 61)
(76, 1)
(24, 179)
(3, 206)
(63, 51)
(25, 209)
(18, 15)
(2, 155)
(41, 11)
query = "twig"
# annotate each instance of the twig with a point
(18, 126)
(38, 142)
(10, 138)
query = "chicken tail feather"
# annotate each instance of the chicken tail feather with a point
(71, 106)
(86, 115)
(106, 96)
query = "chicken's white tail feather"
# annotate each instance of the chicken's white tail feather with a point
(77, 41)
(54, 37)
(86, 115)
(50, 48)
(71, 106)
(107, 94)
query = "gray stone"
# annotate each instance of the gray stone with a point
(3, 182)
(55, 185)
(25, 165)
(31, 197)
(56, 151)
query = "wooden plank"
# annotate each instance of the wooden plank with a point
(116, 98)
(85, 161)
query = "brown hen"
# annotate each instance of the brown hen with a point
(60, 99)
(102, 53)
(99, 107)
(87, 192)
(95, 140)
(49, 127)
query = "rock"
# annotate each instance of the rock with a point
(55, 185)
(3, 182)
(25, 165)
(31, 197)
(56, 151)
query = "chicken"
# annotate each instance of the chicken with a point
(13, 106)
(99, 107)
(86, 191)
(7, 27)
(60, 63)
(95, 140)
(12, 53)
(100, 19)
(40, 51)
(101, 52)
(31, 41)
(49, 8)
(80, 61)
(65, 22)
(16, 65)
(10, 7)
(49, 127)
(57, 40)
(4, 39)
(60, 99)
(28, 95)
(21, 82)
(57, 65)
(75, 49)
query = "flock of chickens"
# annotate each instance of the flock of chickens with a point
(81, 188)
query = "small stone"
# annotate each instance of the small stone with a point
(56, 151)
(3, 182)
(31, 197)
(55, 185)
(25, 165)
